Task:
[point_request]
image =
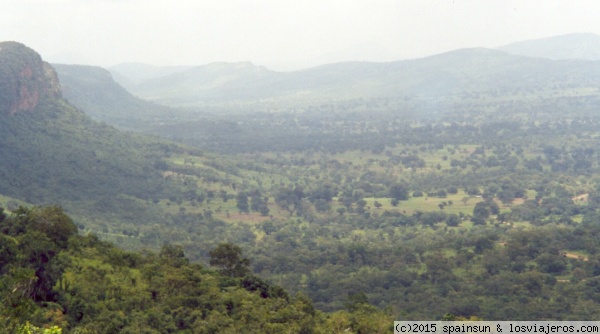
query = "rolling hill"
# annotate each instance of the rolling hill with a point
(239, 107)
(93, 90)
(52, 153)
(131, 74)
(449, 76)
(570, 46)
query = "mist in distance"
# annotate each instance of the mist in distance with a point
(282, 35)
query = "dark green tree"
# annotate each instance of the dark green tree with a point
(289, 199)
(268, 227)
(242, 202)
(355, 301)
(173, 255)
(52, 221)
(399, 192)
(228, 259)
(256, 201)
(452, 220)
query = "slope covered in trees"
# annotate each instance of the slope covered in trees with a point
(53, 278)
(93, 89)
(54, 153)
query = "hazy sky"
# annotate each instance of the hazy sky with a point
(280, 34)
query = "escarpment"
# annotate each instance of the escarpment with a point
(24, 78)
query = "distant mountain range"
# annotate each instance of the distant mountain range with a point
(571, 46)
(131, 74)
(449, 75)
(456, 85)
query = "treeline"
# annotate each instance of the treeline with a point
(324, 128)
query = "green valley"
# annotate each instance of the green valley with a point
(463, 185)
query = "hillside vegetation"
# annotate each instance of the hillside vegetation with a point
(460, 204)
(92, 89)
(55, 154)
(55, 279)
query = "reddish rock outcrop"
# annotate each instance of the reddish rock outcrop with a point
(24, 78)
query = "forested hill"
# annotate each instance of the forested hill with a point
(451, 76)
(93, 90)
(131, 74)
(53, 153)
(55, 281)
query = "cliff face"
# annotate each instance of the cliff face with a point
(24, 78)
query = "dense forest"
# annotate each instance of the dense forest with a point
(54, 280)
(337, 216)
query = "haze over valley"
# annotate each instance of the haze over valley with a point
(229, 196)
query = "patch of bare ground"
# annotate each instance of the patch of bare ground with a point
(575, 256)
(252, 218)
(518, 201)
(581, 198)
(168, 174)
(565, 254)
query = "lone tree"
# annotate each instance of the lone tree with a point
(290, 199)
(399, 192)
(228, 258)
(242, 202)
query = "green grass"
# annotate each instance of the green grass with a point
(461, 202)
(310, 168)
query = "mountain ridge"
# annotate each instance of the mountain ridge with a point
(463, 71)
(583, 46)
(54, 153)
(94, 90)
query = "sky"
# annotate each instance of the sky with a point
(280, 34)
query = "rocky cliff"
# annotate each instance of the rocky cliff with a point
(24, 78)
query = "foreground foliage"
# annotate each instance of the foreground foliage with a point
(55, 280)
